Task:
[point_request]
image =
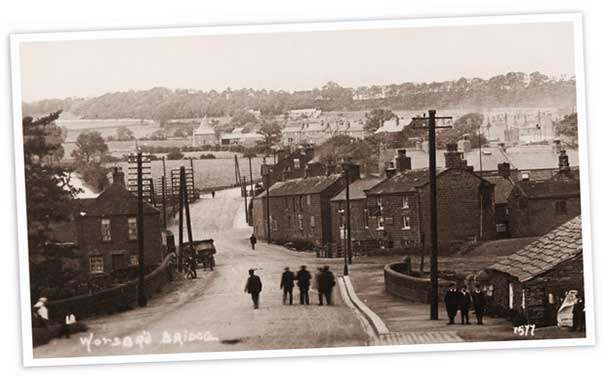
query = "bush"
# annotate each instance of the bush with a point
(175, 154)
(208, 156)
(94, 175)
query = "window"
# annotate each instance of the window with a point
(300, 222)
(406, 201)
(300, 202)
(308, 200)
(132, 228)
(511, 295)
(312, 221)
(366, 217)
(134, 260)
(118, 261)
(106, 229)
(286, 202)
(96, 264)
(296, 163)
(406, 223)
(560, 207)
(380, 223)
(273, 223)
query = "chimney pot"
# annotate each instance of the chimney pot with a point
(118, 177)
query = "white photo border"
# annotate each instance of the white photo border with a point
(26, 331)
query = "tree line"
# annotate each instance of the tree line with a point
(514, 89)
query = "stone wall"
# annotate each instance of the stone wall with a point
(411, 288)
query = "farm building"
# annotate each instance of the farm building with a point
(204, 134)
(534, 281)
(106, 230)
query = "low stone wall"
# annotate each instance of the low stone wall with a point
(120, 298)
(409, 287)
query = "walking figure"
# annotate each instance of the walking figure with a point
(287, 284)
(304, 281)
(465, 305)
(191, 267)
(451, 303)
(479, 304)
(213, 194)
(253, 286)
(315, 283)
(253, 241)
(326, 284)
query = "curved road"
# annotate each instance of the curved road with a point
(213, 313)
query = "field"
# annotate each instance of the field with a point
(207, 173)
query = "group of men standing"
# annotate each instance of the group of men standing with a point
(462, 300)
(323, 281)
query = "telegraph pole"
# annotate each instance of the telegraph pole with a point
(348, 203)
(141, 298)
(181, 204)
(268, 217)
(186, 203)
(251, 180)
(246, 199)
(164, 201)
(433, 189)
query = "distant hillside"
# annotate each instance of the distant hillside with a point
(514, 89)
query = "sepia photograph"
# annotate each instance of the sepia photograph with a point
(302, 189)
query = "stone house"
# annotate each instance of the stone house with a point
(106, 230)
(299, 209)
(534, 281)
(503, 186)
(539, 206)
(399, 207)
(362, 237)
(296, 164)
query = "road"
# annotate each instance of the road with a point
(213, 313)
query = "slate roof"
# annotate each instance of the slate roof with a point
(303, 186)
(405, 181)
(116, 200)
(357, 189)
(561, 185)
(544, 254)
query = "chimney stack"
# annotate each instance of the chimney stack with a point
(390, 171)
(307, 171)
(563, 162)
(556, 146)
(453, 158)
(118, 177)
(403, 162)
(502, 147)
(504, 170)
(464, 144)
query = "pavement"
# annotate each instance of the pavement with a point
(212, 313)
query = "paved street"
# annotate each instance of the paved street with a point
(213, 313)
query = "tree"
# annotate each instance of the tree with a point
(343, 147)
(271, 132)
(175, 154)
(376, 118)
(90, 145)
(568, 128)
(47, 186)
(124, 134)
(468, 124)
(242, 118)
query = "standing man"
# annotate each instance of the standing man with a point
(465, 305)
(304, 280)
(213, 194)
(253, 286)
(479, 304)
(326, 284)
(315, 284)
(451, 303)
(253, 241)
(287, 284)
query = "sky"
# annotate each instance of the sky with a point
(293, 60)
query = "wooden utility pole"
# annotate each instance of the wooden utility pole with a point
(433, 189)
(246, 199)
(181, 205)
(268, 218)
(141, 298)
(164, 201)
(251, 180)
(186, 203)
(347, 168)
